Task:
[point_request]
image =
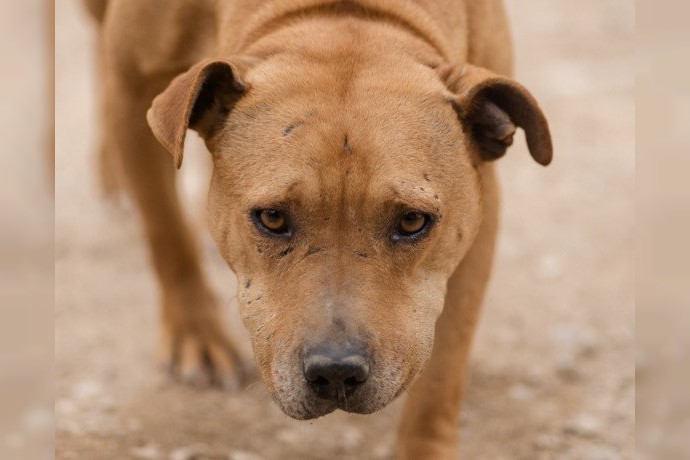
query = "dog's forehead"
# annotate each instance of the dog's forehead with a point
(398, 101)
(380, 128)
(372, 141)
(323, 154)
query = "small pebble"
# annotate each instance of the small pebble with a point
(65, 407)
(289, 436)
(148, 451)
(87, 389)
(188, 452)
(350, 438)
(382, 451)
(549, 268)
(520, 392)
(597, 453)
(583, 425)
(568, 371)
(242, 455)
(546, 441)
(134, 424)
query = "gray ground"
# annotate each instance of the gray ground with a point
(552, 373)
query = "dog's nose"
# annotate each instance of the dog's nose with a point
(332, 375)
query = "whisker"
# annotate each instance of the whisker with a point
(342, 386)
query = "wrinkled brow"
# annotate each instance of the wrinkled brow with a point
(414, 195)
(279, 191)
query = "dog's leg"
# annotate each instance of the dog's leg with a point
(195, 343)
(429, 428)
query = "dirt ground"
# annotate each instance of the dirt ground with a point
(552, 373)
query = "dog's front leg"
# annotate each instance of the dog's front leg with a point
(429, 428)
(195, 343)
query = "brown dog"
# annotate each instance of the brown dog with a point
(353, 192)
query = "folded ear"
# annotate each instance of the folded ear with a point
(198, 99)
(491, 106)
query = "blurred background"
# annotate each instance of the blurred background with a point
(26, 230)
(663, 226)
(553, 373)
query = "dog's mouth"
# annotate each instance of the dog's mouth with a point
(305, 408)
(315, 407)
(305, 403)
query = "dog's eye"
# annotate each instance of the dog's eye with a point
(411, 222)
(272, 221)
(411, 225)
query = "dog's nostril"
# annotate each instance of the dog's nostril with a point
(352, 381)
(320, 381)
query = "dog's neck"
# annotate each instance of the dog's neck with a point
(276, 16)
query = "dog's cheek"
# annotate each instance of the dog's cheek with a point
(230, 224)
(426, 301)
(221, 222)
(405, 332)
(254, 310)
(287, 391)
(262, 351)
(274, 344)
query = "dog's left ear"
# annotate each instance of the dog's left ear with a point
(197, 99)
(491, 106)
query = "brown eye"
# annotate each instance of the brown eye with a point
(411, 225)
(412, 222)
(272, 221)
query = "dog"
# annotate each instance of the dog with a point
(353, 190)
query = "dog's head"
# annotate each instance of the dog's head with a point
(344, 201)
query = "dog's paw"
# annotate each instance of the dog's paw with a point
(196, 348)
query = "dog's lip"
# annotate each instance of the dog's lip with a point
(306, 409)
(314, 415)
(360, 404)
(313, 407)
(360, 408)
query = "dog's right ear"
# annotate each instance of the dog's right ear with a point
(199, 99)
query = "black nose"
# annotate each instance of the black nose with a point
(333, 374)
